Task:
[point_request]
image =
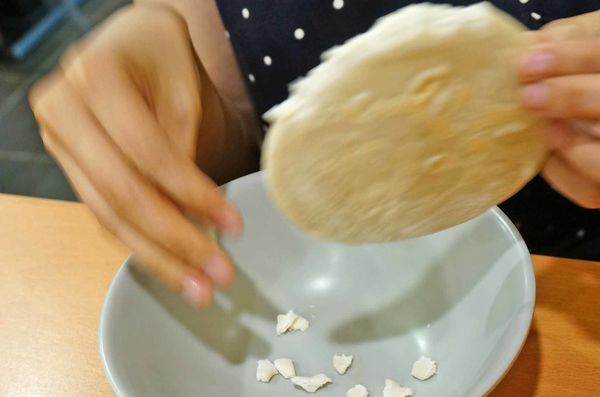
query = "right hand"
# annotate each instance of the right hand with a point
(562, 77)
(124, 114)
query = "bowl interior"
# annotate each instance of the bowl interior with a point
(463, 297)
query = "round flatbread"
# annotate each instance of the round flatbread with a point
(407, 129)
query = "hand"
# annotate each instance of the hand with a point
(124, 115)
(562, 77)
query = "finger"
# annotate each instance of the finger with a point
(559, 133)
(563, 133)
(564, 97)
(125, 115)
(561, 58)
(578, 27)
(589, 127)
(561, 30)
(582, 154)
(571, 184)
(194, 286)
(133, 199)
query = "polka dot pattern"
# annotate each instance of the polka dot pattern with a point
(267, 60)
(338, 4)
(299, 34)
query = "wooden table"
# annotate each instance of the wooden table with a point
(56, 264)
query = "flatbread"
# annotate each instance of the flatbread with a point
(407, 129)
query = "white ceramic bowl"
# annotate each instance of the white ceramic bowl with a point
(463, 297)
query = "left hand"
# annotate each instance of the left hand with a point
(561, 77)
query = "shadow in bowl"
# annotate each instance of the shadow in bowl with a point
(452, 274)
(218, 327)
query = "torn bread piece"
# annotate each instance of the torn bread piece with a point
(291, 321)
(300, 324)
(393, 389)
(285, 366)
(285, 321)
(311, 383)
(341, 363)
(424, 368)
(265, 370)
(358, 391)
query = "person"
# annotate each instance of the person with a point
(162, 102)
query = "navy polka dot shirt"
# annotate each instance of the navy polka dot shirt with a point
(278, 41)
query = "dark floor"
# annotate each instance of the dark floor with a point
(25, 167)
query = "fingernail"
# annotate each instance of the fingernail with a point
(194, 293)
(228, 221)
(217, 269)
(535, 96)
(537, 62)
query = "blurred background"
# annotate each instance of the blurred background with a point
(33, 35)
